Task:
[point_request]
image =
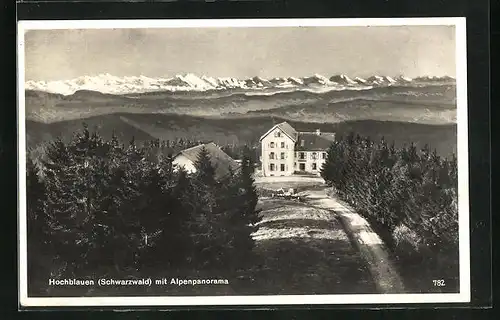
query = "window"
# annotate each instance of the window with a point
(302, 166)
(271, 155)
(277, 133)
(324, 155)
(314, 166)
(271, 145)
(283, 144)
(271, 167)
(314, 156)
(282, 167)
(302, 143)
(302, 155)
(282, 156)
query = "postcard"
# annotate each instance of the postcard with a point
(248, 162)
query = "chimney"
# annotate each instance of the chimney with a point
(318, 132)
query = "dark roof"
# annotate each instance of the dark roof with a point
(314, 141)
(219, 159)
(286, 128)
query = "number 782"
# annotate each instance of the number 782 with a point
(438, 283)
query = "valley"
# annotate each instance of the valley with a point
(423, 113)
(238, 131)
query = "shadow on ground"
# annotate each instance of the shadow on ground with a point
(299, 249)
(310, 266)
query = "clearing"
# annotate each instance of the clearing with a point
(305, 249)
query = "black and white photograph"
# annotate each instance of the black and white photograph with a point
(243, 162)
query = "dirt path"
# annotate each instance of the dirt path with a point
(305, 250)
(362, 235)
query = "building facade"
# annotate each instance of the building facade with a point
(285, 151)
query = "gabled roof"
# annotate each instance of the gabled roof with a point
(219, 159)
(286, 128)
(314, 141)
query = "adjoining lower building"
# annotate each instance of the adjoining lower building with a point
(286, 151)
(222, 162)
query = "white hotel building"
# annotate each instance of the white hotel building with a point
(286, 151)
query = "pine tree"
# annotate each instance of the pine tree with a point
(252, 215)
(205, 231)
(453, 171)
(237, 205)
(35, 196)
(228, 220)
(205, 170)
(172, 216)
(152, 211)
(85, 198)
(62, 208)
(119, 217)
(328, 168)
(90, 153)
(37, 225)
(186, 209)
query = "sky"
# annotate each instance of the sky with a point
(241, 52)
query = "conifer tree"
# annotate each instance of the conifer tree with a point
(453, 170)
(63, 207)
(205, 170)
(35, 196)
(173, 216)
(153, 214)
(250, 215)
(186, 208)
(90, 154)
(238, 216)
(229, 220)
(328, 168)
(206, 232)
(37, 227)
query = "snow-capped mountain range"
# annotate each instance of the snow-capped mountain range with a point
(106, 83)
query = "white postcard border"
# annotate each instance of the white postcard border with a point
(462, 157)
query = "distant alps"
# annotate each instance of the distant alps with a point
(109, 84)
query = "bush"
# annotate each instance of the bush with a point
(410, 194)
(406, 239)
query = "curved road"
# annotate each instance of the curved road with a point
(366, 240)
